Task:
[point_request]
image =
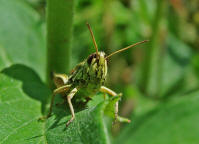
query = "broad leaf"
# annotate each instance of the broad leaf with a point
(175, 122)
(23, 97)
(175, 66)
(21, 36)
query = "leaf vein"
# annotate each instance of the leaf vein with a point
(16, 129)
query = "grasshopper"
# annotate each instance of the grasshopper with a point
(87, 78)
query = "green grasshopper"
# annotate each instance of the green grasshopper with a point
(87, 78)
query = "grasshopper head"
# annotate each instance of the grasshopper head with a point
(97, 62)
(97, 65)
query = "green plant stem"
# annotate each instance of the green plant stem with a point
(151, 74)
(59, 36)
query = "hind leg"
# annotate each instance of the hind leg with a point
(112, 93)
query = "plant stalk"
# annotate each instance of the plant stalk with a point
(59, 36)
(151, 74)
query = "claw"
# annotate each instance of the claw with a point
(122, 119)
(43, 118)
(67, 124)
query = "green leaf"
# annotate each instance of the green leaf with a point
(87, 128)
(23, 97)
(109, 109)
(22, 100)
(171, 123)
(175, 66)
(21, 36)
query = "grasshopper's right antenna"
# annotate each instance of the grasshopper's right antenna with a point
(93, 38)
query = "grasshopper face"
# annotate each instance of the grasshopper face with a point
(97, 64)
(91, 73)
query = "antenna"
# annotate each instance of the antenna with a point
(127, 48)
(93, 38)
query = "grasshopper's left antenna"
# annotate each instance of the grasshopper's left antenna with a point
(93, 38)
(126, 48)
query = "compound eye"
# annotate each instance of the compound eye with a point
(90, 58)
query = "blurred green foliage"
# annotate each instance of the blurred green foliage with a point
(159, 80)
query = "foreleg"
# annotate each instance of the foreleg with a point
(69, 97)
